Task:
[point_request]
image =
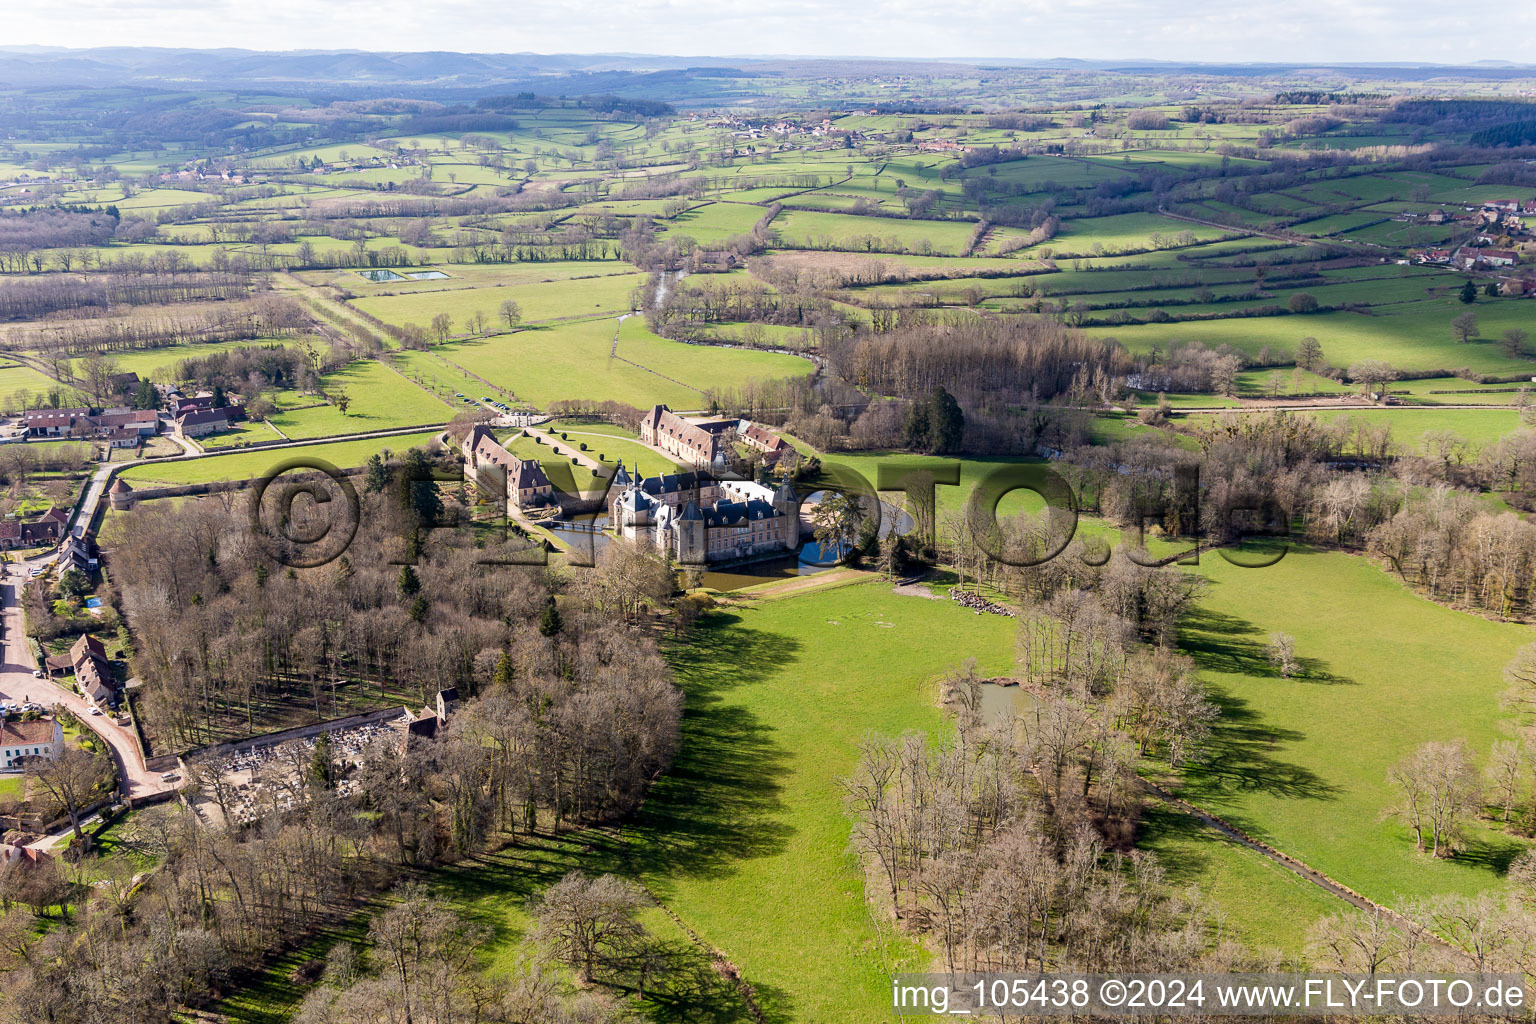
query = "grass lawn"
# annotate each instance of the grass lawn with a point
(435, 375)
(745, 837)
(13, 787)
(1302, 763)
(15, 378)
(1478, 427)
(1258, 902)
(530, 448)
(494, 889)
(543, 300)
(248, 465)
(240, 434)
(569, 360)
(1408, 336)
(883, 234)
(703, 366)
(380, 399)
(575, 360)
(615, 444)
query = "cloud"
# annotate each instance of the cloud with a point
(1187, 30)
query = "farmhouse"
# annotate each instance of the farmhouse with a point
(527, 486)
(87, 659)
(712, 261)
(140, 421)
(755, 435)
(44, 530)
(123, 383)
(201, 422)
(42, 737)
(1500, 257)
(122, 426)
(696, 442)
(695, 518)
(79, 553)
(53, 422)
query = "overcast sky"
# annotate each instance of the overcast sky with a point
(1207, 30)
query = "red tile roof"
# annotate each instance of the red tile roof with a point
(38, 730)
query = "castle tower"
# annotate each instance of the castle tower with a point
(121, 495)
(692, 545)
(663, 532)
(788, 502)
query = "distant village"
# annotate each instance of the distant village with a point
(1496, 233)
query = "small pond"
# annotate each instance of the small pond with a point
(380, 276)
(1000, 703)
(427, 275)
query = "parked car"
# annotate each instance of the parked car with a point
(95, 710)
(37, 673)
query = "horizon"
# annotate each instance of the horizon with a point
(964, 59)
(1313, 33)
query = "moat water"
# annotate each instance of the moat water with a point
(592, 529)
(809, 560)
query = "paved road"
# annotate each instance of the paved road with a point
(18, 683)
(92, 498)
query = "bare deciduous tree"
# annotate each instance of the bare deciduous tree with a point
(1439, 790)
(589, 923)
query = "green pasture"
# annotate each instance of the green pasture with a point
(241, 434)
(1411, 336)
(544, 300)
(379, 397)
(745, 837)
(251, 464)
(1125, 231)
(1252, 899)
(715, 222)
(806, 228)
(577, 360)
(1302, 763)
(16, 378)
(1476, 427)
